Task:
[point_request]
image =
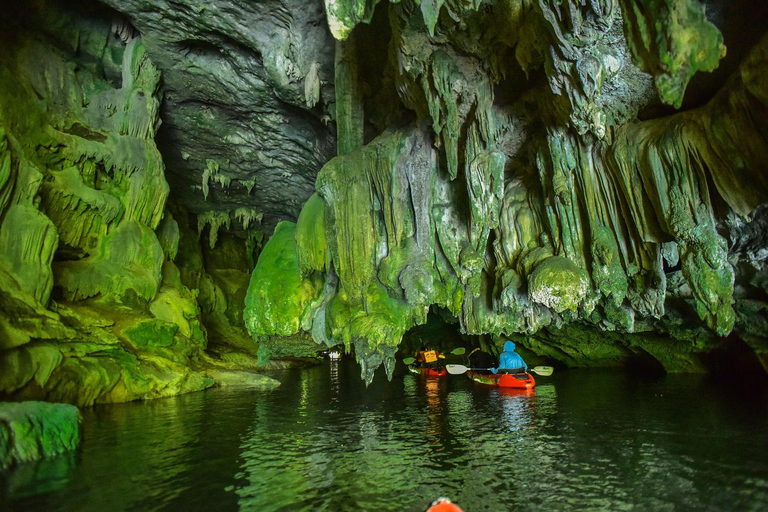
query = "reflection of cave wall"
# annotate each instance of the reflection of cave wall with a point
(526, 198)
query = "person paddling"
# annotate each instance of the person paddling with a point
(510, 361)
(428, 358)
(481, 361)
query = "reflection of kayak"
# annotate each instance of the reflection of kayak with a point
(504, 380)
(437, 371)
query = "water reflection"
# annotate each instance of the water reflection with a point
(581, 440)
(435, 408)
(42, 476)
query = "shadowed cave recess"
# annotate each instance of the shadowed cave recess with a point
(190, 193)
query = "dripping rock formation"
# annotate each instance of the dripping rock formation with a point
(192, 192)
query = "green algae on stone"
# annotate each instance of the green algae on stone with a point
(168, 235)
(292, 347)
(278, 296)
(349, 100)
(607, 272)
(129, 261)
(343, 15)
(28, 241)
(672, 40)
(579, 345)
(88, 373)
(375, 329)
(345, 187)
(151, 333)
(519, 193)
(32, 431)
(241, 379)
(311, 242)
(78, 160)
(558, 284)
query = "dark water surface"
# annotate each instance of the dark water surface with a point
(584, 440)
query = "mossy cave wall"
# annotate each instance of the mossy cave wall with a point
(186, 192)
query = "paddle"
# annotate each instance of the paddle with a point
(458, 369)
(456, 352)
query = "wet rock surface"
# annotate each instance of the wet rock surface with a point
(32, 431)
(196, 188)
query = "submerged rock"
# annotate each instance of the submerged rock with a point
(241, 378)
(35, 430)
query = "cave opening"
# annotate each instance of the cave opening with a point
(441, 332)
(736, 360)
(641, 364)
(208, 195)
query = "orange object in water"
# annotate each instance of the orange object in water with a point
(504, 380)
(437, 371)
(444, 505)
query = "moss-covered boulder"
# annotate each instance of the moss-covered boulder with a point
(35, 430)
(559, 284)
(278, 297)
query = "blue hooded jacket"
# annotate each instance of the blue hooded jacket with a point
(509, 359)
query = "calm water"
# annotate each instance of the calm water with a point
(583, 440)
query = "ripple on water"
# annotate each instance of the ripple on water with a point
(322, 441)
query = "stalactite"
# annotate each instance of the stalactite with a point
(580, 202)
(349, 106)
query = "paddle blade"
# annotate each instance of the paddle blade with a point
(458, 351)
(409, 360)
(456, 369)
(546, 371)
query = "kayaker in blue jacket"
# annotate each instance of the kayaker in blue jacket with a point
(510, 360)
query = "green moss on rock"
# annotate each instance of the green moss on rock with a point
(311, 243)
(672, 40)
(151, 333)
(32, 431)
(278, 296)
(559, 284)
(241, 379)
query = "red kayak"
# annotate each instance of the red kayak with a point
(437, 371)
(504, 380)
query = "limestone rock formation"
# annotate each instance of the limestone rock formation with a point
(94, 308)
(190, 189)
(247, 101)
(525, 196)
(34, 430)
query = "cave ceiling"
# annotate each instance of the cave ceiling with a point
(242, 136)
(238, 130)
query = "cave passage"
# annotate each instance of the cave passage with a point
(272, 198)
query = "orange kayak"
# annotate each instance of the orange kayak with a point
(437, 371)
(504, 380)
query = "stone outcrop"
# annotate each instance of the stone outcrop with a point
(187, 191)
(32, 431)
(94, 306)
(543, 206)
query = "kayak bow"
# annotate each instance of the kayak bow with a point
(504, 380)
